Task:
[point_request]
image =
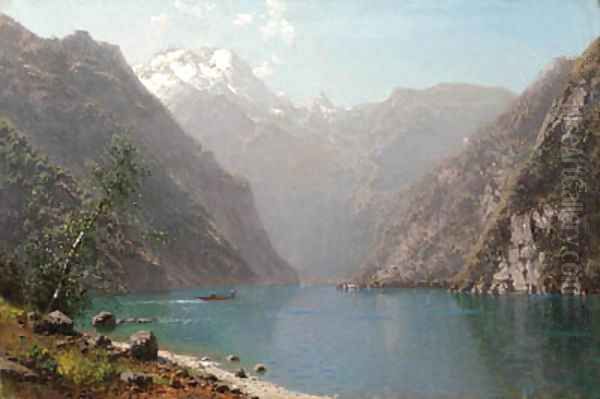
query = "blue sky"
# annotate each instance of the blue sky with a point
(353, 50)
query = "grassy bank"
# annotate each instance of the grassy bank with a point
(81, 366)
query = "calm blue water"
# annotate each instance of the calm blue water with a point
(386, 344)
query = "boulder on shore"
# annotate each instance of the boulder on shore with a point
(222, 388)
(144, 346)
(241, 373)
(100, 341)
(104, 320)
(32, 317)
(138, 379)
(54, 323)
(260, 368)
(233, 358)
(16, 372)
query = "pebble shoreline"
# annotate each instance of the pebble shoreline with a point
(251, 386)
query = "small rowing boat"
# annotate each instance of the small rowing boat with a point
(215, 297)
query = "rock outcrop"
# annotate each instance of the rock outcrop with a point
(104, 320)
(427, 230)
(138, 379)
(144, 346)
(54, 323)
(13, 371)
(543, 236)
(69, 96)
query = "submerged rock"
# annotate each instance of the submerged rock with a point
(104, 319)
(133, 320)
(233, 358)
(260, 368)
(144, 345)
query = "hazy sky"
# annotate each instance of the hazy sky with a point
(353, 50)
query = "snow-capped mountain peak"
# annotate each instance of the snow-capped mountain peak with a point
(323, 104)
(216, 71)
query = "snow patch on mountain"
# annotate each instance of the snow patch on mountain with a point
(220, 72)
(213, 71)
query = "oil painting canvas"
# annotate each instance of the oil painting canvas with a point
(300, 199)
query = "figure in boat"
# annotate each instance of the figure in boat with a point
(346, 286)
(215, 297)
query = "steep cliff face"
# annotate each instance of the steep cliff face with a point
(319, 171)
(429, 228)
(544, 235)
(69, 96)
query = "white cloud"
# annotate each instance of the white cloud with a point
(276, 7)
(277, 25)
(276, 60)
(195, 8)
(5, 4)
(161, 22)
(243, 19)
(264, 70)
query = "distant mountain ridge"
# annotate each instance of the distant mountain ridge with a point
(319, 171)
(429, 229)
(68, 96)
(517, 209)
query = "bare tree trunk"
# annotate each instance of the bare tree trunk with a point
(67, 264)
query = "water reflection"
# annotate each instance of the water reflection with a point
(186, 324)
(422, 344)
(537, 345)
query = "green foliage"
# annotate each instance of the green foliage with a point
(9, 312)
(119, 174)
(88, 369)
(11, 279)
(118, 178)
(58, 229)
(41, 359)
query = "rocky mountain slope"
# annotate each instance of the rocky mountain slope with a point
(319, 171)
(543, 236)
(69, 96)
(428, 230)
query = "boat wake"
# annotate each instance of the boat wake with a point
(170, 301)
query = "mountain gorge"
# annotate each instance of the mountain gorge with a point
(68, 96)
(329, 189)
(430, 227)
(516, 209)
(320, 172)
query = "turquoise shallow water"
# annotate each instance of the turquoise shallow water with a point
(385, 344)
